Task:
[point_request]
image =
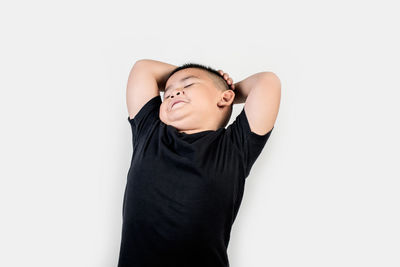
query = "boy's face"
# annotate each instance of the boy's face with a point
(202, 106)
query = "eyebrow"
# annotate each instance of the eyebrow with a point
(183, 79)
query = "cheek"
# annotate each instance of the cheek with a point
(202, 100)
(201, 107)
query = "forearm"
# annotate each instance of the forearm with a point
(243, 88)
(160, 70)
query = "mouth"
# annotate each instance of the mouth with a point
(177, 102)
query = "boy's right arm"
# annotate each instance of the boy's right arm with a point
(146, 78)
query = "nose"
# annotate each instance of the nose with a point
(177, 92)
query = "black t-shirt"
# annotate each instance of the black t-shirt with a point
(183, 191)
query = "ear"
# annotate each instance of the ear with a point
(226, 98)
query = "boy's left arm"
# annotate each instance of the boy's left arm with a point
(261, 94)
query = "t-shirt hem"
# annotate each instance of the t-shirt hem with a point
(155, 101)
(252, 136)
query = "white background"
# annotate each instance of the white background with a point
(324, 191)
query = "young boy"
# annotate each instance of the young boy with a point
(187, 174)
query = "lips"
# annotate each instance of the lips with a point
(176, 101)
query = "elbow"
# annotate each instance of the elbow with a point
(271, 79)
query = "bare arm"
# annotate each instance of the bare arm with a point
(146, 79)
(159, 70)
(243, 88)
(261, 94)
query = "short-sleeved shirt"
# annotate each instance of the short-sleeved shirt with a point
(183, 191)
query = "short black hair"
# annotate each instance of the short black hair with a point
(219, 82)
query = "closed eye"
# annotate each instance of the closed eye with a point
(183, 87)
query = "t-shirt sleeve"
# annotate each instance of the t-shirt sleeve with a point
(248, 143)
(143, 121)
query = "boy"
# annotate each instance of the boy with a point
(187, 174)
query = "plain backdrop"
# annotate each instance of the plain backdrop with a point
(324, 191)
